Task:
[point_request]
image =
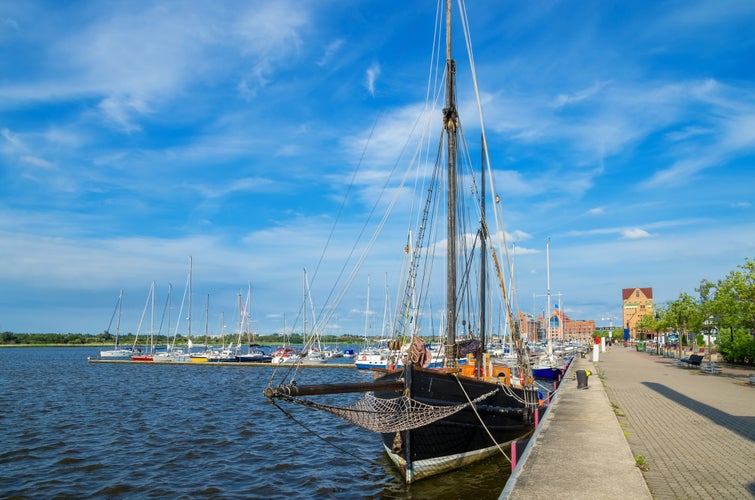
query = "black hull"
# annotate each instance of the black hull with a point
(459, 439)
(244, 358)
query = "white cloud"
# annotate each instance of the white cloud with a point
(330, 51)
(635, 234)
(12, 141)
(371, 76)
(37, 162)
(566, 99)
(687, 133)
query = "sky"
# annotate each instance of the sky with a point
(135, 136)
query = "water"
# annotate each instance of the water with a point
(75, 429)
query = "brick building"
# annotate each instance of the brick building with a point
(562, 327)
(636, 303)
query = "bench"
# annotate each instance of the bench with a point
(711, 368)
(693, 360)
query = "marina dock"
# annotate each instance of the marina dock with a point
(693, 433)
(230, 363)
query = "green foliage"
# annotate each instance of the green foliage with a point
(9, 338)
(646, 323)
(725, 309)
(737, 347)
(679, 314)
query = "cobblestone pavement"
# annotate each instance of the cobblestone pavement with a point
(696, 430)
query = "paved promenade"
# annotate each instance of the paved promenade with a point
(579, 450)
(695, 430)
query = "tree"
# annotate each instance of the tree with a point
(9, 338)
(646, 323)
(735, 299)
(680, 314)
(737, 347)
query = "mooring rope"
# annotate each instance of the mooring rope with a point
(474, 409)
(343, 450)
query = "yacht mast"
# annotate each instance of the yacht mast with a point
(548, 274)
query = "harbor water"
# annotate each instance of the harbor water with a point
(74, 429)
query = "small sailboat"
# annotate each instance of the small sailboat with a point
(435, 420)
(117, 352)
(312, 353)
(173, 354)
(285, 353)
(376, 355)
(254, 354)
(549, 365)
(137, 354)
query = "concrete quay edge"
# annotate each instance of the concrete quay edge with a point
(579, 449)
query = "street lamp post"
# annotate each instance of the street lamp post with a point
(709, 330)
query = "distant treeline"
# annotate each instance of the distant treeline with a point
(107, 338)
(10, 338)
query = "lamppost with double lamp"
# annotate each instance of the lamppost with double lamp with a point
(610, 327)
(709, 330)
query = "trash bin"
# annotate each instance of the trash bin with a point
(582, 379)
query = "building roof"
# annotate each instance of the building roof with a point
(627, 292)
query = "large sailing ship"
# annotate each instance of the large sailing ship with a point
(433, 420)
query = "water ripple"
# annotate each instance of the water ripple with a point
(74, 429)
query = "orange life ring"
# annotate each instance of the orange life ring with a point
(364, 358)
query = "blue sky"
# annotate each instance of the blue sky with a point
(136, 134)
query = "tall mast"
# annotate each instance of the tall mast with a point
(207, 322)
(118, 324)
(483, 258)
(450, 123)
(548, 275)
(304, 302)
(170, 291)
(188, 319)
(367, 311)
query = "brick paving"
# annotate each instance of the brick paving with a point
(696, 430)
